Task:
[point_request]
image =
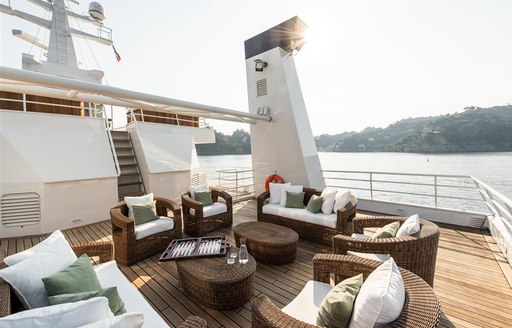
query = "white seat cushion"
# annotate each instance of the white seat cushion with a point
(109, 275)
(150, 228)
(381, 297)
(125, 320)
(25, 276)
(130, 201)
(342, 199)
(56, 236)
(288, 188)
(409, 227)
(61, 315)
(275, 192)
(301, 214)
(214, 209)
(304, 306)
(329, 196)
(370, 256)
(360, 235)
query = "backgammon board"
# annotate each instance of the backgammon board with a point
(194, 248)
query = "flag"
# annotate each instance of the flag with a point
(118, 57)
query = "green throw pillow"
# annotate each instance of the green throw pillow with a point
(79, 277)
(294, 199)
(115, 302)
(387, 231)
(144, 213)
(315, 204)
(204, 197)
(336, 308)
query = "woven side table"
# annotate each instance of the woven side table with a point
(216, 284)
(268, 242)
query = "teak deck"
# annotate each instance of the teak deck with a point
(473, 281)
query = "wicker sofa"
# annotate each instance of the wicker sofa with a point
(129, 250)
(421, 308)
(311, 231)
(108, 274)
(416, 253)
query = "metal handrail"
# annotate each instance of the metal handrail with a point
(201, 121)
(240, 191)
(374, 183)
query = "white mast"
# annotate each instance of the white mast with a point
(61, 51)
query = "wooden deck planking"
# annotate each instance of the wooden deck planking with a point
(470, 282)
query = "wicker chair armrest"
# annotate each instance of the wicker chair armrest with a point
(344, 218)
(5, 296)
(342, 266)
(121, 221)
(194, 322)
(170, 205)
(216, 193)
(261, 198)
(266, 314)
(102, 249)
(342, 244)
(362, 222)
(189, 203)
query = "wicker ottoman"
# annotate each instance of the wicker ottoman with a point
(267, 242)
(216, 284)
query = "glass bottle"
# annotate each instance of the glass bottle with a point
(243, 255)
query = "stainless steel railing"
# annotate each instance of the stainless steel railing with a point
(500, 220)
(433, 190)
(237, 181)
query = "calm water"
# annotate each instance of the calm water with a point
(495, 169)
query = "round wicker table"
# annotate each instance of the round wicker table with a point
(216, 284)
(268, 242)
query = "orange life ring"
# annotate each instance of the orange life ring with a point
(274, 178)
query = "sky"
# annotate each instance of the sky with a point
(366, 63)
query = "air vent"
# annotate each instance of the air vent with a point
(261, 87)
(17, 210)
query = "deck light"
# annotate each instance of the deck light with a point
(260, 65)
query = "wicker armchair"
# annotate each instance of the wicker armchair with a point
(310, 231)
(10, 303)
(416, 253)
(194, 322)
(421, 308)
(197, 224)
(128, 250)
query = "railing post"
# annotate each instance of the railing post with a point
(24, 102)
(371, 185)
(435, 191)
(236, 184)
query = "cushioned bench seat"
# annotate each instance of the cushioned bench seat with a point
(301, 214)
(317, 227)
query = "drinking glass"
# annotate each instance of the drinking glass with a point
(232, 254)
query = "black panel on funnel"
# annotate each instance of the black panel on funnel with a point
(288, 35)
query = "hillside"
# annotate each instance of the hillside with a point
(474, 130)
(239, 142)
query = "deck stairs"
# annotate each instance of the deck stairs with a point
(129, 183)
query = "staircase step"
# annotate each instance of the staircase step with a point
(126, 174)
(132, 194)
(128, 164)
(124, 184)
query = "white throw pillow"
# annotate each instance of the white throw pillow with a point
(329, 195)
(289, 188)
(45, 244)
(142, 200)
(381, 298)
(25, 276)
(193, 189)
(275, 192)
(409, 227)
(126, 320)
(342, 199)
(61, 315)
